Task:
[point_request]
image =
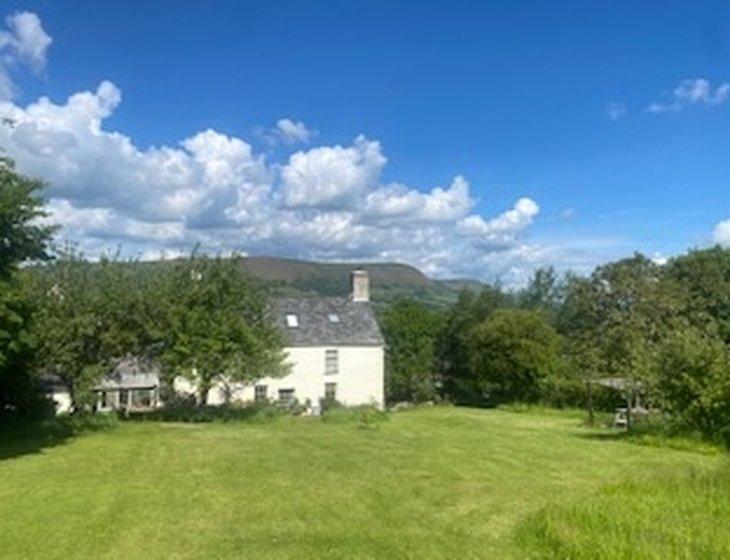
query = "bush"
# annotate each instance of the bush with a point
(561, 392)
(512, 352)
(186, 410)
(87, 422)
(693, 382)
(366, 416)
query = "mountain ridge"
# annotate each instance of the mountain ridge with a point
(390, 281)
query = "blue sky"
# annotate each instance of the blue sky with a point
(537, 102)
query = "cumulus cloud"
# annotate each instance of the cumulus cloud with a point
(502, 230)
(332, 176)
(721, 235)
(24, 42)
(694, 91)
(326, 202)
(292, 132)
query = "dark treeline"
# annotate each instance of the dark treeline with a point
(665, 328)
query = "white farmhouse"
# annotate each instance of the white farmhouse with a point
(333, 345)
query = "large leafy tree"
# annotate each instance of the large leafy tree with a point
(453, 346)
(705, 274)
(615, 319)
(544, 291)
(212, 324)
(410, 331)
(693, 381)
(22, 238)
(512, 352)
(89, 315)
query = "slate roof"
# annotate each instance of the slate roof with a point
(131, 373)
(357, 325)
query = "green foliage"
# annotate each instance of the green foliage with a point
(88, 316)
(21, 236)
(512, 352)
(453, 346)
(187, 411)
(570, 392)
(211, 324)
(410, 331)
(705, 275)
(693, 382)
(614, 320)
(365, 416)
(17, 348)
(544, 292)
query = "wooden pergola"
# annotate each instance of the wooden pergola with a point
(630, 388)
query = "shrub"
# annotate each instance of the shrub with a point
(693, 382)
(366, 416)
(186, 410)
(512, 352)
(562, 392)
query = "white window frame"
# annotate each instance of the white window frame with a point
(292, 320)
(260, 389)
(331, 361)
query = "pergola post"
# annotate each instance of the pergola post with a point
(589, 390)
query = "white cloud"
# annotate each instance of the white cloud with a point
(502, 230)
(694, 91)
(292, 132)
(327, 202)
(721, 235)
(397, 202)
(332, 176)
(616, 111)
(23, 43)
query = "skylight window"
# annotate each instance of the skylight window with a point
(334, 318)
(292, 321)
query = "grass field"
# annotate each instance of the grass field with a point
(428, 483)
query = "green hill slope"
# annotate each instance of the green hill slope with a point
(388, 281)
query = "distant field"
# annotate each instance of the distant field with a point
(429, 483)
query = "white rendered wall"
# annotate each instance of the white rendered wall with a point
(62, 400)
(360, 377)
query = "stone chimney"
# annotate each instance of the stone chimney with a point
(360, 285)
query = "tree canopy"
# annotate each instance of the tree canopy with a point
(410, 330)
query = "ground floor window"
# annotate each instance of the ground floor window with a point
(260, 393)
(142, 398)
(103, 400)
(286, 396)
(123, 398)
(330, 391)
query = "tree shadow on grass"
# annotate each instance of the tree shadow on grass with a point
(23, 439)
(19, 438)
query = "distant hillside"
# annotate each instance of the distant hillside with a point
(388, 281)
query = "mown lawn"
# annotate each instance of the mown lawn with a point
(428, 483)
